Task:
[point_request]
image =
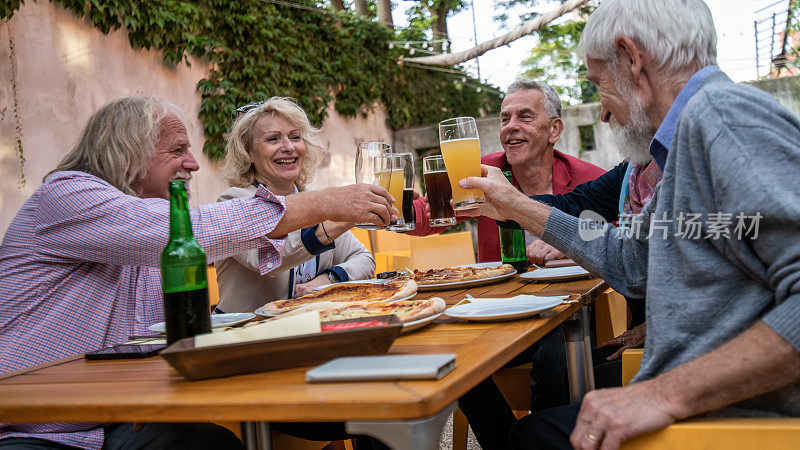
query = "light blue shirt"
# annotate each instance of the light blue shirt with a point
(659, 147)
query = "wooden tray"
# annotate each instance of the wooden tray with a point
(283, 353)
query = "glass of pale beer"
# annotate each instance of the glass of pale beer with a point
(461, 150)
(401, 187)
(374, 166)
(439, 192)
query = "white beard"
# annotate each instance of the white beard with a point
(633, 140)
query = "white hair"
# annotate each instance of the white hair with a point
(551, 100)
(118, 142)
(678, 35)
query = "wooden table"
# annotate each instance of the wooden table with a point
(404, 414)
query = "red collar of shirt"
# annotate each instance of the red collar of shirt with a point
(562, 172)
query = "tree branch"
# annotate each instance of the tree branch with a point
(523, 30)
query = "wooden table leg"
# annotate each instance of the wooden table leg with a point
(419, 434)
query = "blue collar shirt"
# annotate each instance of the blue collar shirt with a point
(659, 147)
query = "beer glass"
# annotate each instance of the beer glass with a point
(373, 166)
(401, 187)
(461, 150)
(437, 185)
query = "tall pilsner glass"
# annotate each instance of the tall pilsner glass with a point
(461, 150)
(401, 187)
(373, 166)
(439, 191)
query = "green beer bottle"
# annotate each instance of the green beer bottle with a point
(512, 242)
(183, 273)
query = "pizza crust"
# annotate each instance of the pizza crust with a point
(409, 289)
(430, 307)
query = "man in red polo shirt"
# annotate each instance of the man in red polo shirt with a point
(530, 124)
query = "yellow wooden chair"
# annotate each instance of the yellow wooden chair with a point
(385, 245)
(611, 316)
(390, 241)
(364, 237)
(712, 434)
(430, 252)
(213, 288)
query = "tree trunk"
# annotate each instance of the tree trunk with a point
(361, 7)
(439, 25)
(337, 5)
(385, 13)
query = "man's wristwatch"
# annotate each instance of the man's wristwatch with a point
(332, 276)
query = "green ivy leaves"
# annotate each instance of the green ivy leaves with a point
(258, 49)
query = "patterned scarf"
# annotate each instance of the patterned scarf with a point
(641, 184)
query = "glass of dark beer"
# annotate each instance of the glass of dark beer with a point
(439, 191)
(401, 187)
(373, 165)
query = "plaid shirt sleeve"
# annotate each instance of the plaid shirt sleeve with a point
(84, 218)
(54, 304)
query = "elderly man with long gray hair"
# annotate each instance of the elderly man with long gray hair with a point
(79, 264)
(717, 250)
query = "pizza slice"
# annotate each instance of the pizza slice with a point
(406, 310)
(459, 274)
(340, 293)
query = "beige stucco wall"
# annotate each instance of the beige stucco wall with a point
(66, 69)
(341, 136)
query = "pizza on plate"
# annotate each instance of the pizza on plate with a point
(406, 310)
(459, 274)
(346, 293)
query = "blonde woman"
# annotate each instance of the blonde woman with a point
(272, 143)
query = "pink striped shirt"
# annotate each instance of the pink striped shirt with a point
(79, 270)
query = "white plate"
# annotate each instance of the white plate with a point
(217, 320)
(470, 283)
(489, 310)
(260, 312)
(556, 273)
(417, 324)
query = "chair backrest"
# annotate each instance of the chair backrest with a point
(611, 315)
(390, 241)
(631, 360)
(364, 237)
(213, 288)
(442, 250)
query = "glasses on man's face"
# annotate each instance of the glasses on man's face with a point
(243, 109)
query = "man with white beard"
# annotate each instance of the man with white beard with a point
(723, 297)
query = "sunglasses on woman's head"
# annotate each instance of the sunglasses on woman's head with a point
(243, 109)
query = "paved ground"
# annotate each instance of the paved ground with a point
(446, 442)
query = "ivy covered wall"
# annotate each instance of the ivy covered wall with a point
(258, 49)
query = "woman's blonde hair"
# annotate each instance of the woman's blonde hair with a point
(118, 141)
(238, 169)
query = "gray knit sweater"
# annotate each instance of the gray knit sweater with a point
(735, 151)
